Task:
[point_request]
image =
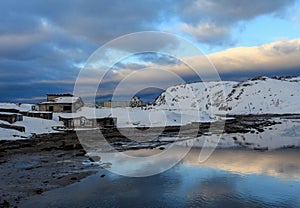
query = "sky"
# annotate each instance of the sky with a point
(45, 44)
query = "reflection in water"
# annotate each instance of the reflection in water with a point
(230, 178)
(279, 163)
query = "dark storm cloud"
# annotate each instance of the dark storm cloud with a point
(211, 21)
(50, 40)
(93, 19)
(42, 42)
(229, 11)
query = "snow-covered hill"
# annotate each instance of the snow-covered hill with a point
(260, 95)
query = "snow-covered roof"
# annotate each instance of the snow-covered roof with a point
(63, 100)
(7, 113)
(21, 107)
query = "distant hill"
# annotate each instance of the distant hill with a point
(259, 95)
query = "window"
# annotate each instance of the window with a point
(67, 108)
(50, 108)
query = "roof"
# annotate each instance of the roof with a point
(10, 114)
(86, 117)
(63, 100)
(61, 95)
(20, 107)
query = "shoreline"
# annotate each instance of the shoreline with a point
(49, 161)
(32, 170)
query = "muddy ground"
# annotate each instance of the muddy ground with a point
(33, 166)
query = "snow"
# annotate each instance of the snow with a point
(32, 126)
(284, 134)
(37, 125)
(21, 107)
(256, 96)
(64, 100)
(6, 113)
(11, 134)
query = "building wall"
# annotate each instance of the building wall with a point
(58, 108)
(115, 104)
(11, 118)
(82, 122)
(37, 114)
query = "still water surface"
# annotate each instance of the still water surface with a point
(229, 178)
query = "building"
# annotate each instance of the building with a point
(11, 117)
(116, 104)
(9, 110)
(61, 103)
(136, 102)
(38, 114)
(83, 122)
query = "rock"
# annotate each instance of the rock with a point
(80, 154)
(39, 191)
(95, 159)
(102, 176)
(260, 130)
(49, 149)
(261, 148)
(33, 167)
(78, 146)
(68, 147)
(4, 204)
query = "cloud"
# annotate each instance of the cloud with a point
(229, 11)
(280, 55)
(206, 32)
(267, 59)
(212, 21)
(100, 22)
(51, 40)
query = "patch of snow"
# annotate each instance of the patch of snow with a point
(285, 134)
(32, 126)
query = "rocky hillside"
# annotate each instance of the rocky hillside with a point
(260, 95)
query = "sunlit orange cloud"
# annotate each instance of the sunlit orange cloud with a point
(279, 55)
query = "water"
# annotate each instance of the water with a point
(229, 178)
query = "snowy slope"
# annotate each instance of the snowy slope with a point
(259, 95)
